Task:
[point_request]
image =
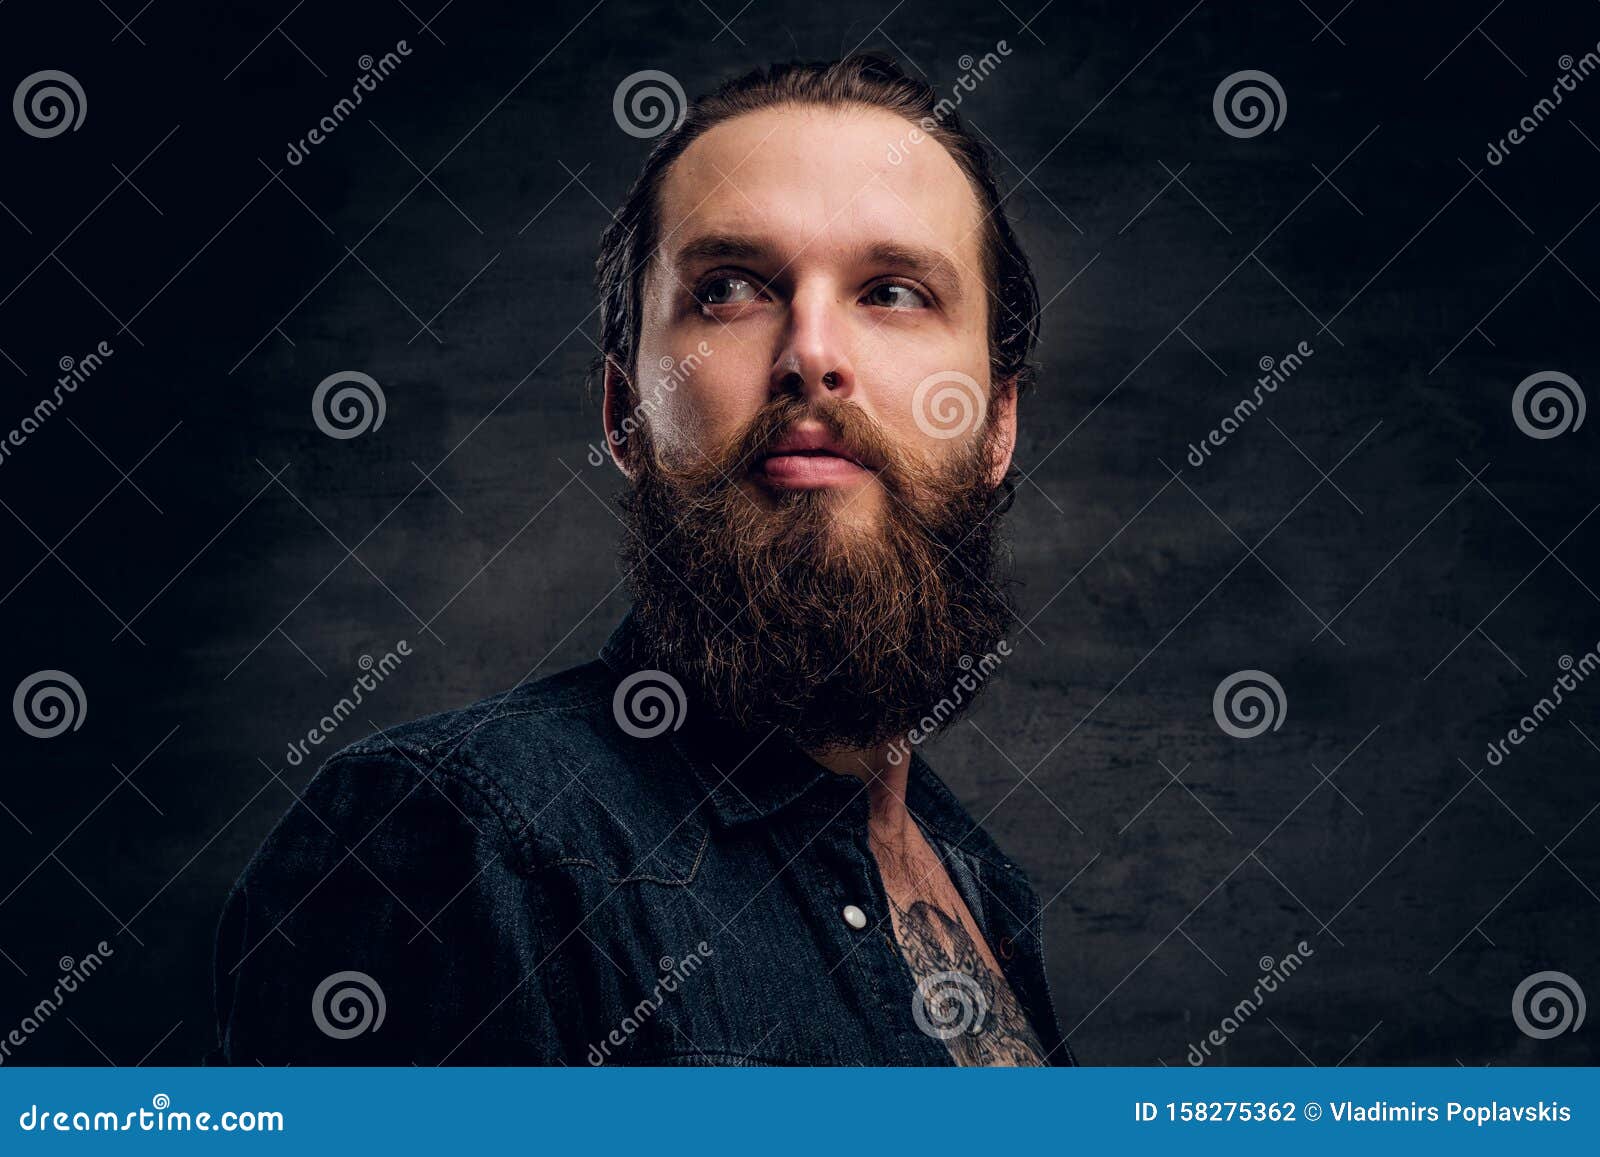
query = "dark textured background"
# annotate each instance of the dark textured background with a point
(184, 493)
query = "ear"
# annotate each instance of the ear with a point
(1003, 422)
(615, 415)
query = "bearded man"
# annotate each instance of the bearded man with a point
(718, 842)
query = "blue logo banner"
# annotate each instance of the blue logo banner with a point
(802, 1110)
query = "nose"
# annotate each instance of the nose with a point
(813, 359)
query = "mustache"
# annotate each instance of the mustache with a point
(713, 475)
(856, 432)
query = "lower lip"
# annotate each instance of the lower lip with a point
(809, 471)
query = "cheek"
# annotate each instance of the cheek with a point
(702, 404)
(932, 411)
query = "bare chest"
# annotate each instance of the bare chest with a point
(962, 996)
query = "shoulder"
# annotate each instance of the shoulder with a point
(547, 760)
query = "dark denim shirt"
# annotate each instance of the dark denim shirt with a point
(522, 881)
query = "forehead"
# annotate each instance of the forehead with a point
(820, 181)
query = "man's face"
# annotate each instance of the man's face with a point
(814, 268)
(817, 446)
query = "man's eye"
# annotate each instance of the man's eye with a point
(726, 291)
(891, 295)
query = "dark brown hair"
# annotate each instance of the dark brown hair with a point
(867, 79)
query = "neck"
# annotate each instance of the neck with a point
(885, 778)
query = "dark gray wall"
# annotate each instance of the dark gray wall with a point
(1380, 536)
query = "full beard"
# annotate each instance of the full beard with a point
(775, 610)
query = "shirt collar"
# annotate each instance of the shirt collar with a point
(750, 777)
(745, 777)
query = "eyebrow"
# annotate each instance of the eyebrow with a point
(937, 269)
(722, 246)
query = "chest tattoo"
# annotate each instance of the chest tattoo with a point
(960, 998)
